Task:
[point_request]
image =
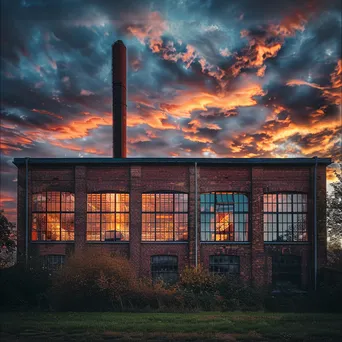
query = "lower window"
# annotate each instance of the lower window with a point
(224, 264)
(286, 271)
(53, 262)
(164, 268)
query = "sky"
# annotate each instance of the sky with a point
(206, 78)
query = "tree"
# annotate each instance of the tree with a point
(7, 241)
(334, 222)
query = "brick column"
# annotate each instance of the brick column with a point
(321, 216)
(135, 218)
(80, 207)
(21, 214)
(192, 216)
(257, 236)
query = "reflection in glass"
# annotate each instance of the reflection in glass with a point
(224, 216)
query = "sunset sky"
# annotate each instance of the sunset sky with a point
(208, 78)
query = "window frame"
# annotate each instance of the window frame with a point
(173, 213)
(46, 212)
(292, 212)
(211, 264)
(100, 212)
(174, 257)
(51, 267)
(246, 233)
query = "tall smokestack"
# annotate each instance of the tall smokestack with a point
(119, 99)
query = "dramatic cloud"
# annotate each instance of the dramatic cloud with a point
(205, 78)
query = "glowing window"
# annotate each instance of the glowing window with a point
(108, 217)
(285, 217)
(224, 216)
(164, 217)
(53, 215)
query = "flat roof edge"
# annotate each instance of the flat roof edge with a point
(73, 161)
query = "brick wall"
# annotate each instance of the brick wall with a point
(255, 255)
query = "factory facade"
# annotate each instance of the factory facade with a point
(259, 219)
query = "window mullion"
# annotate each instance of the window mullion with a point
(173, 216)
(277, 216)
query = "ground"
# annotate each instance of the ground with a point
(205, 326)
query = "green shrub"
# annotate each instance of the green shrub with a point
(237, 295)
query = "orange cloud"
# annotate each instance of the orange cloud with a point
(45, 112)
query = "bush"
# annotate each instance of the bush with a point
(197, 289)
(24, 288)
(92, 281)
(237, 295)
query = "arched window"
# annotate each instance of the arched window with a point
(53, 215)
(224, 216)
(285, 217)
(164, 217)
(164, 268)
(108, 217)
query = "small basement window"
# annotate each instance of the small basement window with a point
(286, 271)
(53, 262)
(224, 264)
(164, 268)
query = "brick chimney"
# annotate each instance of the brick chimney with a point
(119, 70)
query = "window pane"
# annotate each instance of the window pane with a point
(122, 203)
(53, 227)
(122, 227)
(53, 201)
(148, 202)
(39, 202)
(224, 264)
(108, 227)
(94, 202)
(148, 227)
(181, 227)
(108, 203)
(164, 227)
(67, 228)
(68, 201)
(93, 227)
(38, 227)
(164, 268)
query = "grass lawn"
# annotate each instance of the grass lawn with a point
(205, 326)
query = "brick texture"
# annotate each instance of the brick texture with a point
(255, 255)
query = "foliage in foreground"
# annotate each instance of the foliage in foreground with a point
(7, 241)
(100, 282)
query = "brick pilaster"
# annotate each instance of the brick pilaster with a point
(135, 218)
(192, 216)
(257, 236)
(80, 207)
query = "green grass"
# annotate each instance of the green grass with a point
(205, 326)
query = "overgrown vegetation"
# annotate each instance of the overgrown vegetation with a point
(334, 223)
(100, 282)
(7, 241)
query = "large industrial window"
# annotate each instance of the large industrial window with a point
(286, 271)
(164, 268)
(108, 217)
(53, 262)
(224, 264)
(224, 216)
(164, 217)
(53, 216)
(285, 217)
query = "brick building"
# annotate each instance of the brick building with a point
(259, 219)
(253, 217)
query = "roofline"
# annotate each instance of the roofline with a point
(234, 161)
